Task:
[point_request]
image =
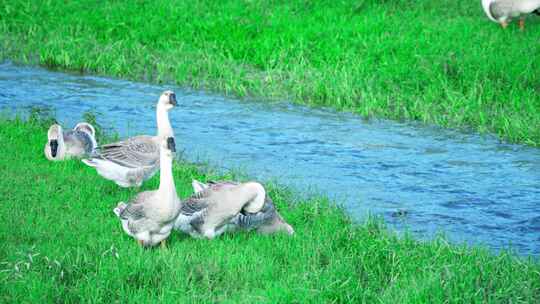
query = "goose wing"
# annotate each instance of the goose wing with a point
(196, 203)
(134, 152)
(199, 201)
(135, 209)
(253, 220)
(196, 208)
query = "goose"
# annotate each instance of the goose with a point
(134, 160)
(224, 206)
(502, 11)
(76, 143)
(149, 217)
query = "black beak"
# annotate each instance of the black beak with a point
(172, 99)
(171, 144)
(54, 147)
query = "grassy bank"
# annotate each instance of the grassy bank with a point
(437, 61)
(60, 242)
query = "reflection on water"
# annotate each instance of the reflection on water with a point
(473, 188)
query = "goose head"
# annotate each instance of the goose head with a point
(55, 141)
(167, 100)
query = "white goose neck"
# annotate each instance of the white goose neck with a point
(163, 123)
(166, 181)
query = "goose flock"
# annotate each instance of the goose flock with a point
(151, 216)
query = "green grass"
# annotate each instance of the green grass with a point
(434, 61)
(61, 243)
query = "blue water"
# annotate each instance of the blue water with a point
(473, 188)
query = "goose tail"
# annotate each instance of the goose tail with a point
(120, 207)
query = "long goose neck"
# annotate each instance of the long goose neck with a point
(166, 181)
(163, 123)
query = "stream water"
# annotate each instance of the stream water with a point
(420, 178)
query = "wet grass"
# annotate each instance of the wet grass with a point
(60, 242)
(439, 62)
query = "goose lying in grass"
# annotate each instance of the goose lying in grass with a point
(76, 143)
(149, 217)
(227, 206)
(132, 161)
(502, 11)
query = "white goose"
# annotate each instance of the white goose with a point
(502, 11)
(132, 161)
(79, 142)
(149, 217)
(227, 206)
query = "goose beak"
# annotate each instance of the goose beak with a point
(171, 145)
(172, 99)
(54, 147)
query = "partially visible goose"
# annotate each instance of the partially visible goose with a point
(227, 206)
(149, 217)
(502, 11)
(132, 161)
(76, 143)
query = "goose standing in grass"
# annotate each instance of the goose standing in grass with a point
(76, 143)
(228, 206)
(502, 11)
(149, 217)
(132, 161)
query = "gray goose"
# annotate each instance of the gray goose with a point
(149, 217)
(223, 206)
(76, 143)
(132, 161)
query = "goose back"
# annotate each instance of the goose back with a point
(78, 143)
(134, 152)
